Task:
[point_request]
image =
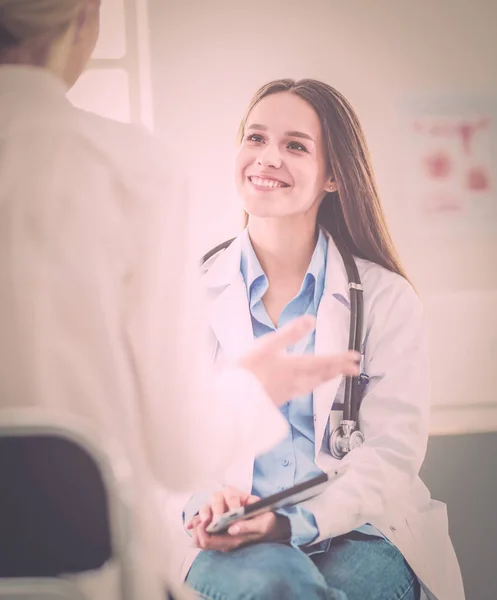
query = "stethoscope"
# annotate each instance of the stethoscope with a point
(347, 435)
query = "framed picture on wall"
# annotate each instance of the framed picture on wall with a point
(450, 154)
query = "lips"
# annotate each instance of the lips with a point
(267, 182)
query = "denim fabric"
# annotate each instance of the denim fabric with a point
(356, 566)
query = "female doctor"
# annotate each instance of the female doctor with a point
(306, 183)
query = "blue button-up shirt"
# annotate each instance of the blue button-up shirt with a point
(292, 461)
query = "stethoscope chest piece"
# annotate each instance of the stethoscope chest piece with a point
(345, 438)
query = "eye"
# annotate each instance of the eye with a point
(254, 137)
(297, 146)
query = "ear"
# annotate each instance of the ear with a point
(79, 22)
(86, 13)
(331, 186)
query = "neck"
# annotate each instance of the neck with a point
(49, 55)
(284, 247)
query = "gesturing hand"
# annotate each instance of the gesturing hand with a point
(285, 376)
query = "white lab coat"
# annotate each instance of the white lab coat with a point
(94, 317)
(381, 485)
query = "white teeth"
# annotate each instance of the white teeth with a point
(269, 183)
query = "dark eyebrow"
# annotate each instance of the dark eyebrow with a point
(298, 134)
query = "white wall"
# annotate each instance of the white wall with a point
(209, 58)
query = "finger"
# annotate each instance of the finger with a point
(304, 383)
(251, 499)
(195, 539)
(314, 373)
(323, 362)
(226, 543)
(205, 514)
(347, 365)
(192, 523)
(288, 335)
(202, 537)
(248, 498)
(257, 526)
(222, 543)
(232, 498)
(218, 504)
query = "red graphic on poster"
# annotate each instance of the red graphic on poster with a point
(438, 165)
(442, 202)
(454, 162)
(478, 179)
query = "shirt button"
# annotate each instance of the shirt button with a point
(392, 528)
(282, 488)
(285, 462)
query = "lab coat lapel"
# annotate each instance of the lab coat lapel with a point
(228, 313)
(229, 319)
(332, 335)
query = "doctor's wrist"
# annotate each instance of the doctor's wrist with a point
(282, 530)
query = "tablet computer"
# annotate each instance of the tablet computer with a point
(289, 497)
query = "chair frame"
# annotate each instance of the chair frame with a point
(116, 475)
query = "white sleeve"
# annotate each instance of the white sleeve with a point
(93, 314)
(195, 422)
(61, 263)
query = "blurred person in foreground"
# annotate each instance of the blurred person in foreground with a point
(92, 228)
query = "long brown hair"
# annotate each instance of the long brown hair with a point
(353, 215)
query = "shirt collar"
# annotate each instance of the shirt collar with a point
(31, 82)
(252, 270)
(249, 263)
(317, 266)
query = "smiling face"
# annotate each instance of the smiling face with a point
(280, 168)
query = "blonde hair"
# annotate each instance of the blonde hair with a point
(25, 21)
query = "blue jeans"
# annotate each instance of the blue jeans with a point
(355, 567)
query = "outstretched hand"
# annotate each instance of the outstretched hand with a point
(285, 376)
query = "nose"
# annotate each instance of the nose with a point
(269, 156)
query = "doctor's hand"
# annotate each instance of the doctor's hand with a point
(268, 527)
(285, 376)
